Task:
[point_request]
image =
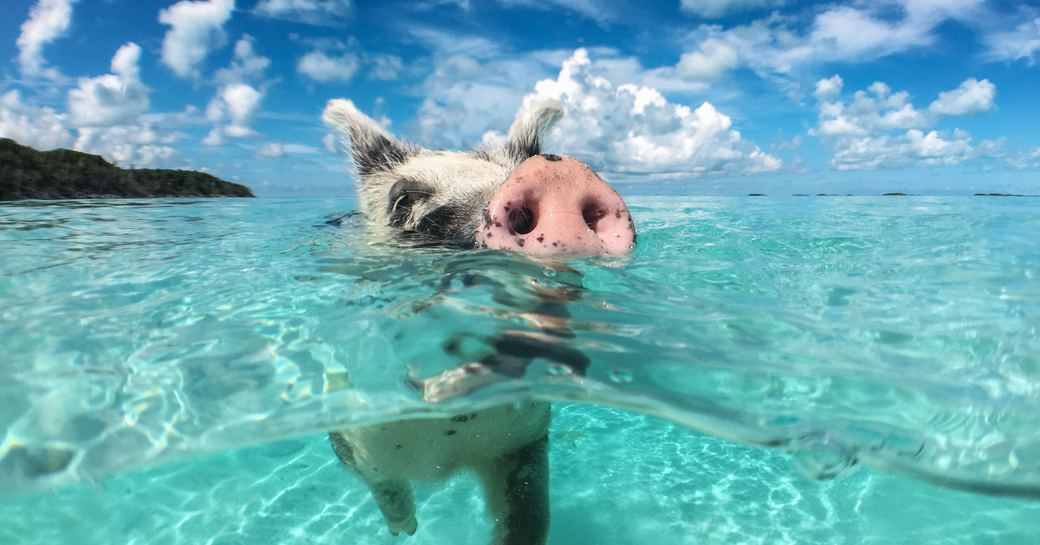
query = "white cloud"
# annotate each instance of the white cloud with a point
(238, 103)
(475, 85)
(112, 99)
(913, 148)
(215, 137)
(447, 43)
(246, 65)
(277, 150)
(718, 8)
(713, 59)
(598, 11)
(1022, 43)
(137, 145)
(195, 29)
(972, 96)
(881, 128)
(633, 129)
(331, 143)
(41, 128)
(829, 88)
(48, 20)
(145, 142)
(1024, 160)
(314, 12)
(875, 108)
(321, 67)
(472, 93)
(858, 33)
(385, 67)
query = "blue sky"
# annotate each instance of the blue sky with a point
(698, 97)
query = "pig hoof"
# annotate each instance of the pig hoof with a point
(407, 526)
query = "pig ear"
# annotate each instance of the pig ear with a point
(372, 148)
(529, 128)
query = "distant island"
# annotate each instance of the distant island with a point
(26, 173)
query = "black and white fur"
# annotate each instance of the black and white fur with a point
(442, 194)
(435, 192)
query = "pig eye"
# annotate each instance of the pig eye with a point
(403, 196)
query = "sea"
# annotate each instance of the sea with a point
(761, 370)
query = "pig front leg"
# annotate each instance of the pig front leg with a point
(516, 488)
(396, 504)
(394, 497)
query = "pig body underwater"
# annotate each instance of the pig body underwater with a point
(507, 197)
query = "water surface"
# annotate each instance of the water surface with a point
(897, 333)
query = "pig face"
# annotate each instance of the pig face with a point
(509, 196)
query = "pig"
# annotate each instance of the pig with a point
(510, 197)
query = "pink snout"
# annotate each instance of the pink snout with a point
(553, 205)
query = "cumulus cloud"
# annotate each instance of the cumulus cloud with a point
(829, 88)
(146, 141)
(246, 65)
(322, 67)
(48, 20)
(313, 12)
(475, 85)
(236, 104)
(110, 114)
(138, 145)
(195, 29)
(718, 8)
(112, 99)
(972, 96)
(41, 128)
(872, 109)
(913, 148)
(1020, 43)
(713, 59)
(143, 143)
(881, 128)
(633, 129)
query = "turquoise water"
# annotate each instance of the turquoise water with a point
(168, 368)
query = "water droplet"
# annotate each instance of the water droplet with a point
(621, 375)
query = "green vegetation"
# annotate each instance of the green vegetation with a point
(26, 173)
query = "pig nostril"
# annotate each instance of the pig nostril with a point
(592, 212)
(521, 220)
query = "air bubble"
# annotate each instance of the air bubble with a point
(558, 370)
(620, 375)
(818, 456)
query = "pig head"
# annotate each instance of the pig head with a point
(509, 196)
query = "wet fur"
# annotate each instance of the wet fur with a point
(461, 183)
(443, 194)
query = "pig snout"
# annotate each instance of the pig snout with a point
(552, 205)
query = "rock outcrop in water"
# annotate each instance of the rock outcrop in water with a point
(26, 173)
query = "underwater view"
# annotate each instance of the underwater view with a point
(784, 370)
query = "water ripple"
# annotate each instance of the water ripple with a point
(897, 334)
